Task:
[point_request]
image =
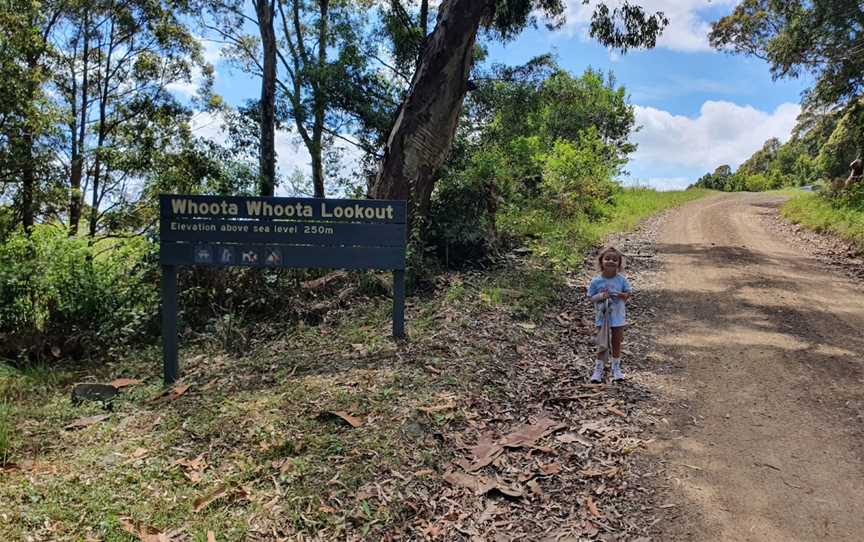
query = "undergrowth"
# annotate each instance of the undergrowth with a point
(840, 217)
(562, 240)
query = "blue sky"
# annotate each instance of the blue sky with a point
(697, 108)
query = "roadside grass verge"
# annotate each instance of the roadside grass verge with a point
(817, 213)
(563, 241)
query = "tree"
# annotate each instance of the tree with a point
(761, 161)
(115, 62)
(25, 113)
(322, 81)
(823, 37)
(425, 126)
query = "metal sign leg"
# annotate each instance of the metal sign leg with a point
(399, 304)
(170, 366)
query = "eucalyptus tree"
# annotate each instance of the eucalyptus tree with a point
(314, 70)
(822, 37)
(116, 60)
(26, 115)
(421, 137)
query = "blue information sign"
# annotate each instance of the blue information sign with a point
(277, 232)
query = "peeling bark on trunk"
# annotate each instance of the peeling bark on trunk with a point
(421, 137)
(267, 184)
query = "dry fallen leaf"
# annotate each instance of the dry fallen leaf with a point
(121, 383)
(616, 411)
(528, 434)
(347, 418)
(592, 507)
(222, 491)
(199, 463)
(201, 502)
(551, 468)
(177, 391)
(86, 422)
(171, 395)
(144, 533)
(484, 453)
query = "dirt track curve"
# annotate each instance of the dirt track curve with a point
(765, 433)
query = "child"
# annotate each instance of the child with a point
(613, 286)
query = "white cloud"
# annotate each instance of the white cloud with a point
(660, 183)
(723, 133)
(687, 31)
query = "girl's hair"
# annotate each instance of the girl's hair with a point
(605, 250)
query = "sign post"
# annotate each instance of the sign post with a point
(226, 231)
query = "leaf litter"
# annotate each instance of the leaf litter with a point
(508, 442)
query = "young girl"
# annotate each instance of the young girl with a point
(613, 286)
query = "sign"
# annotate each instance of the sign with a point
(277, 232)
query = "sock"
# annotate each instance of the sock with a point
(597, 375)
(617, 374)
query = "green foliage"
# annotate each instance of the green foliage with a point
(577, 177)
(842, 216)
(758, 183)
(563, 240)
(721, 179)
(845, 143)
(533, 138)
(60, 296)
(821, 148)
(822, 37)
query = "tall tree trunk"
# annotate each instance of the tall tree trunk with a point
(318, 123)
(421, 137)
(267, 167)
(75, 196)
(28, 173)
(102, 131)
(28, 180)
(424, 17)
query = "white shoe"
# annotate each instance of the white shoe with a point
(617, 374)
(597, 375)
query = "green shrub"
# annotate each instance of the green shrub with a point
(577, 178)
(462, 218)
(760, 182)
(61, 296)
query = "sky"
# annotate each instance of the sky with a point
(696, 108)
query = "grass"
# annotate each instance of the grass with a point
(560, 244)
(5, 433)
(820, 214)
(563, 241)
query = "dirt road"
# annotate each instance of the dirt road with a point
(765, 433)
